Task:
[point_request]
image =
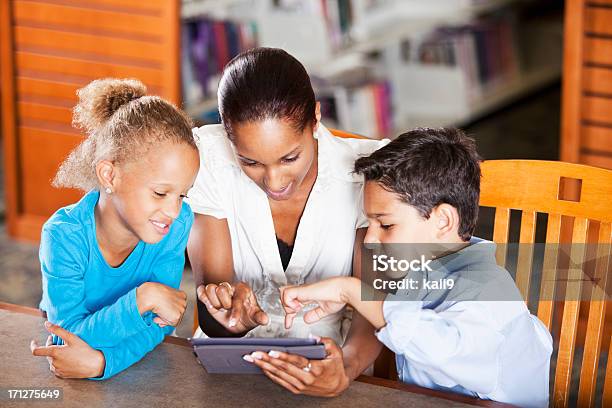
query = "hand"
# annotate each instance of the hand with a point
(74, 359)
(235, 307)
(167, 303)
(327, 294)
(320, 378)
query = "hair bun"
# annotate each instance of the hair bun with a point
(100, 99)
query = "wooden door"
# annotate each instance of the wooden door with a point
(51, 48)
(586, 128)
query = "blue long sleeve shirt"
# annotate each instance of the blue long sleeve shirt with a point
(97, 302)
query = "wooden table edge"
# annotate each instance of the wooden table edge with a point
(22, 309)
(381, 382)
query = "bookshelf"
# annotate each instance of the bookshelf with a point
(417, 16)
(490, 101)
(196, 8)
(50, 49)
(199, 108)
(374, 31)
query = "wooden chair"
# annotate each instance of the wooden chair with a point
(582, 216)
(540, 187)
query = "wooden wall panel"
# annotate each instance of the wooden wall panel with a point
(44, 112)
(586, 129)
(93, 67)
(50, 49)
(572, 81)
(598, 20)
(597, 159)
(146, 23)
(150, 53)
(598, 80)
(598, 51)
(35, 86)
(39, 155)
(597, 138)
(597, 109)
(9, 119)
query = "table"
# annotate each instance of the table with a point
(171, 376)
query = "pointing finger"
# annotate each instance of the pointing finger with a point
(289, 320)
(60, 332)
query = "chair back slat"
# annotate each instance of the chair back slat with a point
(501, 228)
(596, 320)
(607, 391)
(549, 271)
(525, 252)
(571, 309)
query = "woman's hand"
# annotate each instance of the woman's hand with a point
(235, 307)
(328, 295)
(167, 303)
(321, 378)
(74, 359)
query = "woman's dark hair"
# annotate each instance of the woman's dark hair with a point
(265, 83)
(428, 167)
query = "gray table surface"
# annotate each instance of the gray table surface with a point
(168, 376)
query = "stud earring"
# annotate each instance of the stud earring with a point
(108, 190)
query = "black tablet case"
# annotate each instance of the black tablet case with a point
(223, 355)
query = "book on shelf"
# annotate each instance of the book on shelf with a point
(449, 69)
(484, 50)
(364, 109)
(207, 46)
(445, 70)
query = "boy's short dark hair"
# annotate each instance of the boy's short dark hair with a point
(427, 167)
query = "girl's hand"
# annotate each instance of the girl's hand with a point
(74, 359)
(328, 295)
(235, 307)
(167, 303)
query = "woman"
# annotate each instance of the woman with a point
(276, 204)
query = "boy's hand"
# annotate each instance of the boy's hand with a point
(167, 303)
(234, 306)
(328, 295)
(74, 359)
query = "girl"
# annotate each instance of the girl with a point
(276, 204)
(112, 263)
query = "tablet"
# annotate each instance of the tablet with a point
(224, 354)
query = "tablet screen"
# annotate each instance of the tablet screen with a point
(224, 355)
(255, 341)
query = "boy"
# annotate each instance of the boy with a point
(474, 336)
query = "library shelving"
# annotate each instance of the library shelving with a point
(50, 48)
(334, 50)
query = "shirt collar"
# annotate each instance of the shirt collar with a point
(337, 156)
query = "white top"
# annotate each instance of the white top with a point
(323, 245)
